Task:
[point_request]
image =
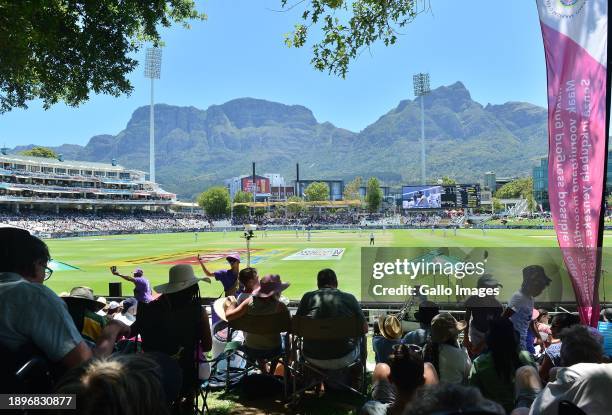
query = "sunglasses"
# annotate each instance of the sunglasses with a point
(48, 273)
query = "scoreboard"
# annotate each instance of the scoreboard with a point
(461, 196)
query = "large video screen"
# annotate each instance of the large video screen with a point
(422, 197)
(457, 196)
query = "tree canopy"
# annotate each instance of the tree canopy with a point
(215, 201)
(316, 192)
(351, 190)
(62, 50)
(242, 197)
(297, 206)
(522, 187)
(40, 152)
(373, 195)
(349, 27)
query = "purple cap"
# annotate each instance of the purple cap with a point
(232, 257)
(138, 271)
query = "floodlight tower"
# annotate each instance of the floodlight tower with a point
(421, 88)
(152, 71)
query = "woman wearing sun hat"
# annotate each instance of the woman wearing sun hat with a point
(265, 301)
(176, 324)
(443, 350)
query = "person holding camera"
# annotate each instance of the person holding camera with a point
(142, 288)
(228, 277)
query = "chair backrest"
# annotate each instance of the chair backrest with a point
(326, 328)
(263, 324)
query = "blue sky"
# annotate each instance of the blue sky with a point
(493, 47)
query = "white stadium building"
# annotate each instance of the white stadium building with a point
(52, 184)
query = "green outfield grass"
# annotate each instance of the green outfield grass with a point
(155, 253)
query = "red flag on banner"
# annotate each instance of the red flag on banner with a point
(575, 34)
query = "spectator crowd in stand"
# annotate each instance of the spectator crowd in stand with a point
(75, 222)
(143, 356)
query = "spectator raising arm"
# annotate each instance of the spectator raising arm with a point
(206, 271)
(125, 277)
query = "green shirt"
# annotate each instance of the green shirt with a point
(328, 303)
(484, 376)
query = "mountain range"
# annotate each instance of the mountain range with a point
(197, 148)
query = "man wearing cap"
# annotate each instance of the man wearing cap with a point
(83, 310)
(427, 311)
(520, 306)
(142, 288)
(479, 311)
(228, 277)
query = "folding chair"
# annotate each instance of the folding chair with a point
(207, 384)
(275, 324)
(337, 328)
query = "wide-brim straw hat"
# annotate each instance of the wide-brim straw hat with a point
(180, 277)
(444, 327)
(221, 304)
(84, 295)
(390, 327)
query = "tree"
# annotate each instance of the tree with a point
(242, 197)
(215, 201)
(522, 187)
(297, 206)
(497, 205)
(373, 194)
(40, 152)
(448, 181)
(351, 190)
(349, 27)
(62, 50)
(317, 191)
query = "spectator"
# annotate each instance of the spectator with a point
(228, 277)
(113, 309)
(263, 302)
(121, 384)
(520, 307)
(479, 311)
(387, 334)
(327, 302)
(142, 288)
(102, 312)
(543, 326)
(584, 381)
(552, 356)
(33, 320)
(493, 371)
(451, 361)
(176, 324)
(82, 308)
(394, 384)
(249, 281)
(129, 308)
(579, 345)
(427, 311)
(448, 398)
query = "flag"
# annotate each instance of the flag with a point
(575, 34)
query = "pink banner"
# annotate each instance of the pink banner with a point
(575, 44)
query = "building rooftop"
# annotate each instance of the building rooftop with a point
(53, 162)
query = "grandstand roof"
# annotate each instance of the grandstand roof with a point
(66, 163)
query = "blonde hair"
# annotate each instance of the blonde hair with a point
(117, 385)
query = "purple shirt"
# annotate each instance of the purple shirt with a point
(142, 290)
(227, 278)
